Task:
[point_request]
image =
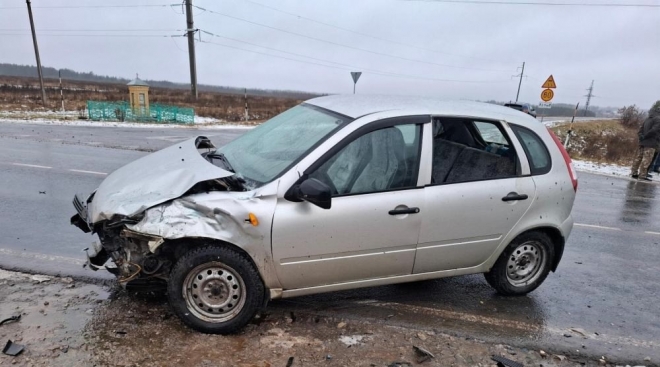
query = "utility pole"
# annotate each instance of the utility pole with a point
(246, 106)
(36, 53)
(59, 74)
(589, 95)
(190, 30)
(522, 73)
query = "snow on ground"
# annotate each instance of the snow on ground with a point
(144, 125)
(554, 121)
(601, 168)
(70, 118)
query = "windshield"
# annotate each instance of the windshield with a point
(263, 153)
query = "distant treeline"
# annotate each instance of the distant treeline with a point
(48, 72)
(557, 110)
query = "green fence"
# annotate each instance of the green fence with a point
(122, 111)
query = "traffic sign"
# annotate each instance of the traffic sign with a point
(550, 83)
(547, 95)
(356, 75)
(545, 104)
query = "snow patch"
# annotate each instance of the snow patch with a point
(601, 168)
(351, 340)
(140, 125)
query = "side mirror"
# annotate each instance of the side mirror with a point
(315, 192)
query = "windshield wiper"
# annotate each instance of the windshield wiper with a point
(234, 180)
(223, 158)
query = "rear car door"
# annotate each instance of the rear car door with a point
(372, 228)
(480, 188)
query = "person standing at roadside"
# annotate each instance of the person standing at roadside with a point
(649, 141)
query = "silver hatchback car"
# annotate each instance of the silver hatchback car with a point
(339, 192)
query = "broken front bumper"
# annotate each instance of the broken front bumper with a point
(80, 220)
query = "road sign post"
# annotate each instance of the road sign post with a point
(355, 75)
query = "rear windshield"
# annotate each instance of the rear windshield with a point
(535, 149)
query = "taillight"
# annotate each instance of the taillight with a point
(567, 159)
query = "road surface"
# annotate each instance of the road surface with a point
(607, 286)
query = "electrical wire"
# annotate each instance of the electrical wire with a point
(88, 6)
(346, 46)
(348, 68)
(365, 34)
(541, 3)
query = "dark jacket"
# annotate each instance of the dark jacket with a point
(649, 133)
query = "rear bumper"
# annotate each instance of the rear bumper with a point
(565, 229)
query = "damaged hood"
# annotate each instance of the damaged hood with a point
(153, 179)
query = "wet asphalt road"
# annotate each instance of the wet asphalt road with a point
(607, 285)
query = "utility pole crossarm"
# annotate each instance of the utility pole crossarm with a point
(190, 30)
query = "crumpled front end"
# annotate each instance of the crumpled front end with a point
(146, 214)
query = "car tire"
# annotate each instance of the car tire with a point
(523, 265)
(215, 290)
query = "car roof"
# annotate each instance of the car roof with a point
(355, 106)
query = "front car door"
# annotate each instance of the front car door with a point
(372, 228)
(480, 188)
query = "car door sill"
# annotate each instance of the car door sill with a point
(288, 293)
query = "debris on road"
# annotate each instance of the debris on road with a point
(579, 331)
(559, 357)
(10, 319)
(543, 354)
(422, 354)
(289, 363)
(341, 325)
(506, 362)
(40, 278)
(12, 349)
(351, 340)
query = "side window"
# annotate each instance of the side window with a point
(537, 152)
(490, 133)
(380, 160)
(466, 150)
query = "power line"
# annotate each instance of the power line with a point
(349, 68)
(92, 30)
(93, 35)
(363, 34)
(502, 2)
(343, 45)
(90, 6)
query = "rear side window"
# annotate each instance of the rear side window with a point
(537, 153)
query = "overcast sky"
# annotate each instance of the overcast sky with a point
(477, 47)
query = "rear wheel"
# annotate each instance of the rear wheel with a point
(523, 265)
(215, 290)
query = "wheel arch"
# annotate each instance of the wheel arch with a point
(175, 248)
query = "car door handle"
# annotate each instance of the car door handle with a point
(514, 196)
(404, 211)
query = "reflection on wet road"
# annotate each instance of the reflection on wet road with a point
(607, 286)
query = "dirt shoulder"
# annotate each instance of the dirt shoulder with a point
(68, 323)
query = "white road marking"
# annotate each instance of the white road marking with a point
(595, 226)
(651, 232)
(30, 165)
(83, 171)
(39, 256)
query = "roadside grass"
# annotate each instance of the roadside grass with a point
(601, 141)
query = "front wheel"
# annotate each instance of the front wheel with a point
(523, 266)
(215, 290)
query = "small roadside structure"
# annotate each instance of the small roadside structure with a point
(138, 108)
(138, 92)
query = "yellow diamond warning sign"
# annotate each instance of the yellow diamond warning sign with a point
(550, 83)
